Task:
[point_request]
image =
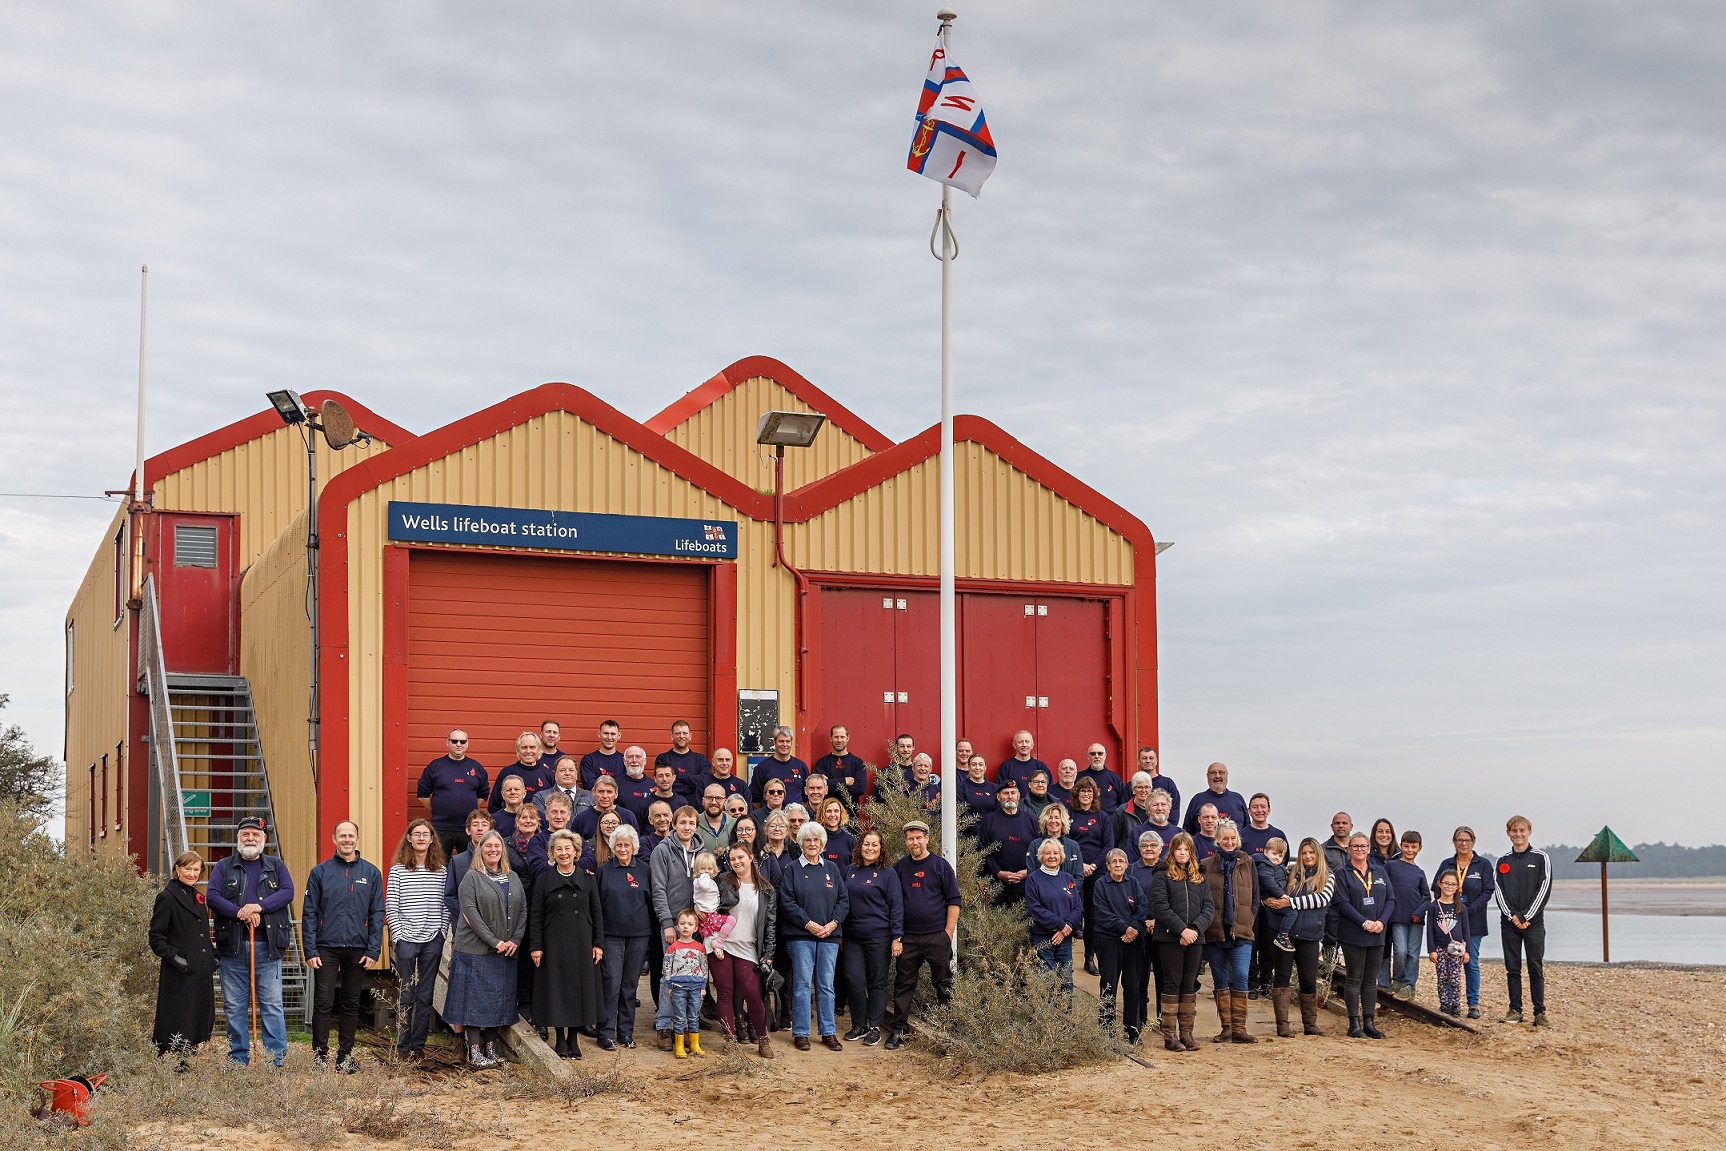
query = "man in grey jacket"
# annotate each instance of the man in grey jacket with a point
(673, 870)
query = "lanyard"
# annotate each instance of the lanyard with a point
(1365, 880)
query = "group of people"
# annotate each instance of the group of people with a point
(544, 892)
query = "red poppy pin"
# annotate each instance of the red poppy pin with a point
(1504, 869)
(200, 897)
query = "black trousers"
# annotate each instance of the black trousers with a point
(937, 951)
(453, 842)
(1178, 967)
(1263, 965)
(1360, 983)
(1305, 958)
(1087, 925)
(866, 962)
(340, 970)
(1135, 981)
(1530, 940)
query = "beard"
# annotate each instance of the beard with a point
(251, 851)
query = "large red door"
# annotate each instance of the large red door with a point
(856, 671)
(1072, 681)
(997, 671)
(498, 643)
(917, 669)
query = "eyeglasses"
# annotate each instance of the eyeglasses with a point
(775, 791)
(1096, 753)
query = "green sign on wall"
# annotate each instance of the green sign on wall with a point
(196, 804)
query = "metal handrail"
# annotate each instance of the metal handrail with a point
(153, 674)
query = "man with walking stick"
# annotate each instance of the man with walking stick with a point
(249, 894)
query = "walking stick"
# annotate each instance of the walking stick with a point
(252, 959)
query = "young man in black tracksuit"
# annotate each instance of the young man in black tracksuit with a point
(1524, 881)
(342, 922)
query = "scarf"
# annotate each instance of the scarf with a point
(1228, 869)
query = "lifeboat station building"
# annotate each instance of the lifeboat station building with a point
(551, 557)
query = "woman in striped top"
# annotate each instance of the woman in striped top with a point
(415, 911)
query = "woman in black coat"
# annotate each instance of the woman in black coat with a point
(565, 926)
(1181, 904)
(180, 934)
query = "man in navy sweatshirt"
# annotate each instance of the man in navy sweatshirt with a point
(451, 786)
(931, 893)
(1022, 764)
(781, 765)
(1012, 829)
(691, 766)
(342, 924)
(1524, 881)
(250, 895)
(1229, 804)
(847, 773)
(605, 759)
(1109, 785)
(1258, 829)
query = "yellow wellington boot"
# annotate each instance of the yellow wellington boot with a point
(695, 1044)
(677, 1047)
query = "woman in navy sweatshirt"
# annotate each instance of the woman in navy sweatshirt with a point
(813, 903)
(1150, 849)
(1367, 902)
(1055, 903)
(1055, 823)
(1094, 832)
(1118, 914)
(1477, 893)
(872, 935)
(1181, 905)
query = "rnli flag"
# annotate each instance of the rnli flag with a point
(952, 143)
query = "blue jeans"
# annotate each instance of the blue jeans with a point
(1058, 958)
(1228, 963)
(1471, 971)
(416, 972)
(1402, 957)
(685, 999)
(812, 963)
(236, 976)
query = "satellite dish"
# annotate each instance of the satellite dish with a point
(338, 426)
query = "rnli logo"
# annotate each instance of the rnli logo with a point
(712, 532)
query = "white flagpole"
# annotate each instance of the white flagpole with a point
(143, 313)
(949, 614)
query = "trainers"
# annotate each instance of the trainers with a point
(1512, 1016)
(895, 1041)
(320, 1061)
(1283, 942)
(856, 1033)
(1404, 991)
(1474, 1013)
(1540, 1019)
(871, 1037)
(605, 1043)
(348, 1065)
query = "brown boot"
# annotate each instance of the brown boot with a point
(1280, 1005)
(1188, 1010)
(1309, 1015)
(764, 1047)
(1225, 1012)
(1238, 1003)
(1171, 1005)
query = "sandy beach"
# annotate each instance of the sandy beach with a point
(1636, 1058)
(1703, 896)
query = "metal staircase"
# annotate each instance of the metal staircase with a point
(208, 769)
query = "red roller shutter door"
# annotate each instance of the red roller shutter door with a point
(498, 643)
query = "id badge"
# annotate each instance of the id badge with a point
(1366, 902)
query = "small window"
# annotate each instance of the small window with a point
(104, 796)
(120, 573)
(90, 803)
(70, 647)
(194, 547)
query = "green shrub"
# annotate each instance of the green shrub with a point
(1006, 1013)
(77, 980)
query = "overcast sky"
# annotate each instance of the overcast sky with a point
(1404, 322)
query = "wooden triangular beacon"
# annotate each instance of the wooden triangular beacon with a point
(1607, 848)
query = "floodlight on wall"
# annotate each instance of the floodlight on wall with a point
(288, 406)
(789, 429)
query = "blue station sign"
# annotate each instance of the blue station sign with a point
(562, 531)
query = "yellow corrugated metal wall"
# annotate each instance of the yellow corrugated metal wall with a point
(723, 434)
(263, 479)
(96, 706)
(275, 658)
(1009, 527)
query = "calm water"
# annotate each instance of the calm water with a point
(1669, 922)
